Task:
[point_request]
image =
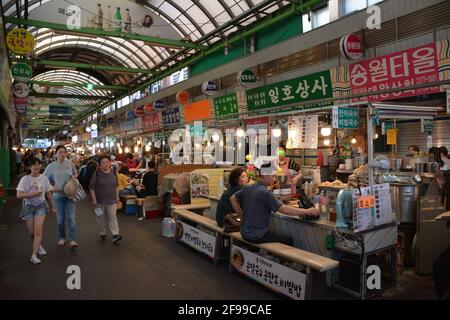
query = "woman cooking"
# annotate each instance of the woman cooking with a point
(290, 168)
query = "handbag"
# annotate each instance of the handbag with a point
(80, 194)
(231, 223)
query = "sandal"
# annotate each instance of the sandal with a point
(61, 242)
(73, 244)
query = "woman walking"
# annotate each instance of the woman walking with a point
(59, 173)
(104, 191)
(32, 188)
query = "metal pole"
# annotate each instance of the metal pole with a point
(370, 142)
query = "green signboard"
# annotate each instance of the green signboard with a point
(427, 125)
(311, 87)
(345, 118)
(386, 125)
(226, 105)
(21, 72)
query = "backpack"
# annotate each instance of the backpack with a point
(86, 174)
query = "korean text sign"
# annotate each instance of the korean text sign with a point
(198, 239)
(226, 105)
(285, 280)
(311, 87)
(345, 118)
(171, 116)
(151, 122)
(400, 69)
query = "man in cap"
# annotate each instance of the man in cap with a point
(255, 203)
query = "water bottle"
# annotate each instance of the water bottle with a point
(118, 21)
(109, 19)
(99, 18)
(127, 22)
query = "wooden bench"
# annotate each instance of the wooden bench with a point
(311, 261)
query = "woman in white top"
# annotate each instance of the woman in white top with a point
(32, 189)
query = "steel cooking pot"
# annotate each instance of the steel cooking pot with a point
(405, 201)
(419, 167)
(432, 167)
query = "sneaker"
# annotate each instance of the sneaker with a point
(103, 237)
(35, 260)
(42, 251)
(116, 238)
(73, 244)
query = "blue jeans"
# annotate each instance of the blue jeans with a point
(65, 209)
(127, 192)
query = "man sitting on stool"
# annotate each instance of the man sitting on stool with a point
(255, 203)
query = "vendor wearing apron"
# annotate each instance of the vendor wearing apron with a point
(290, 168)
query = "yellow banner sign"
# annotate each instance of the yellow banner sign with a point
(20, 41)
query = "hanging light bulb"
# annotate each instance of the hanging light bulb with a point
(88, 129)
(240, 133)
(164, 142)
(127, 150)
(326, 142)
(118, 145)
(94, 127)
(376, 135)
(221, 143)
(147, 148)
(120, 151)
(325, 132)
(102, 145)
(353, 141)
(136, 149)
(276, 132)
(215, 137)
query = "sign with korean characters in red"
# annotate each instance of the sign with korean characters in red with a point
(150, 122)
(366, 202)
(401, 69)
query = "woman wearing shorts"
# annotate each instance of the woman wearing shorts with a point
(32, 189)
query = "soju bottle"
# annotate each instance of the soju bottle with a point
(127, 22)
(118, 21)
(99, 18)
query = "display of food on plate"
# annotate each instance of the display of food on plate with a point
(335, 184)
(360, 177)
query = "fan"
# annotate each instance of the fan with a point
(381, 164)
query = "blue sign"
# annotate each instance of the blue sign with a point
(171, 116)
(159, 105)
(110, 120)
(130, 115)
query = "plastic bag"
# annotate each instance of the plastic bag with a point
(168, 227)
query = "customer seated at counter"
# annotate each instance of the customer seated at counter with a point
(127, 186)
(150, 181)
(237, 179)
(255, 204)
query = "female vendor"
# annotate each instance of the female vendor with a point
(290, 168)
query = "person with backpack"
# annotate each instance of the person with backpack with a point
(33, 188)
(104, 190)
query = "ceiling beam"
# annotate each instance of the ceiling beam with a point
(75, 65)
(105, 33)
(69, 96)
(78, 85)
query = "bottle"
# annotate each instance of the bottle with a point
(99, 18)
(91, 22)
(118, 21)
(220, 188)
(108, 22)
(127, 22)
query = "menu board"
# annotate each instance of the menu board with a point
(383, 205)
(306, 134)
(226, 105)
(171, 116)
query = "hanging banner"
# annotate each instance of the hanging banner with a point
(307, 132)
(310, 87)
(391, 136)
(60, 112)
(226, 105)
(151, 123)
(20, 41)
(401, 69)
(139, 111)
(287, 281)
(426, 125)
(345, 118)
(21, 89)
(351, 47)
(257, 124)
(246, 78)
(209, 88)
(183, 97)
(159, 105)
(171, 116)
(148, 108)
(197, 111)
(21, 72)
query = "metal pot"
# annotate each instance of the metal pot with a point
(419, 167)
(432, 167)
(396, 164)
(404, 200)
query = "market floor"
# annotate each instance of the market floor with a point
(144, 265)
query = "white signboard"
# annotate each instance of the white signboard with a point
(383, 206)
(306, 134)
(279, 278)
(197, 239)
